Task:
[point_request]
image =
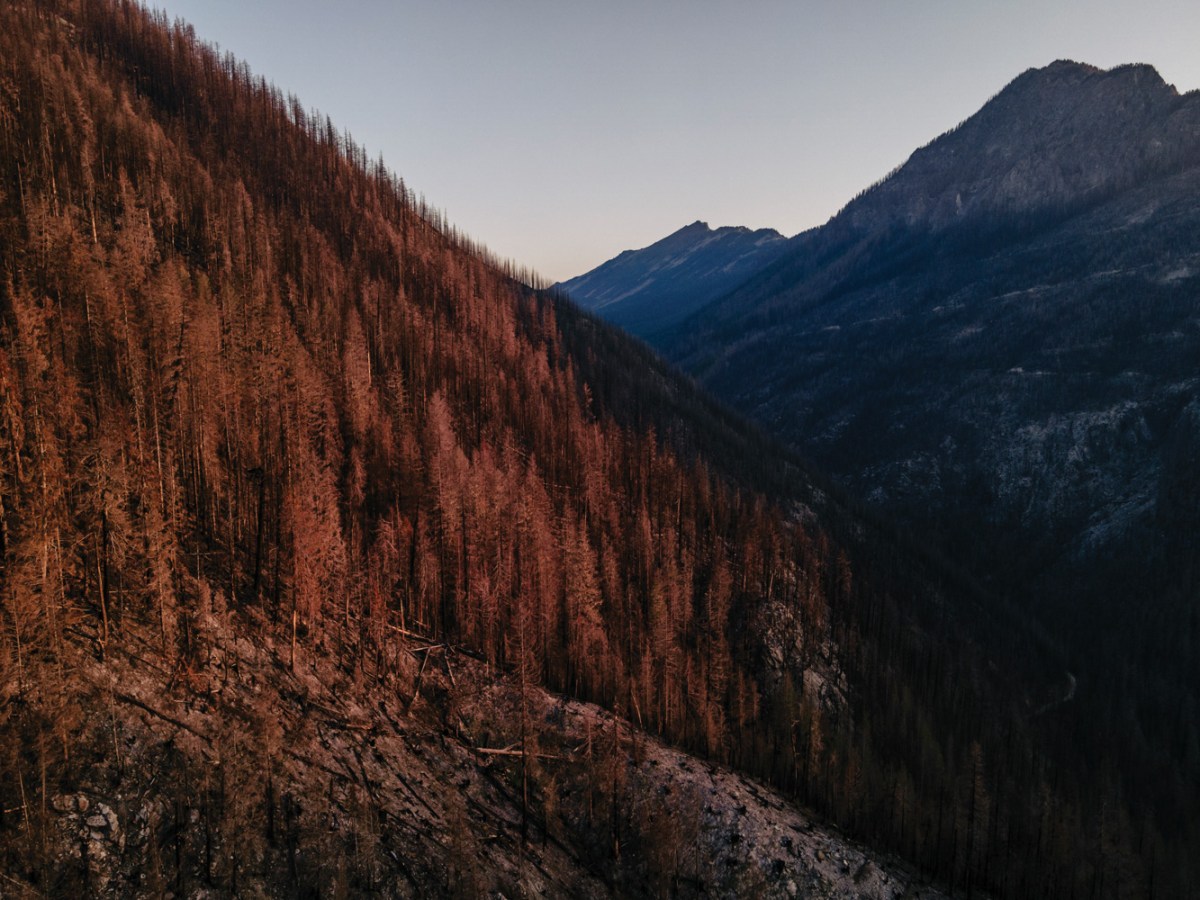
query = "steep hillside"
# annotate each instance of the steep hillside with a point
(250, 776)
(305, 503)
(649, 290)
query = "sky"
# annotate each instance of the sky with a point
(560, 132)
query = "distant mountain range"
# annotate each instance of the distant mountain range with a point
(649, 290)
(1000, 344)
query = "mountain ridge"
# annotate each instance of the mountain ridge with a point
(1017, 139)
(1020, 182)
(651, 289)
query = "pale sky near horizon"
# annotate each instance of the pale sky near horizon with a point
(560, 132)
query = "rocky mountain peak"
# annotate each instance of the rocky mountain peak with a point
(651, 288)
(1056, 137)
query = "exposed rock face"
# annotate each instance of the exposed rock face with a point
(91, 835)
(1054, 137)
(648, 290)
